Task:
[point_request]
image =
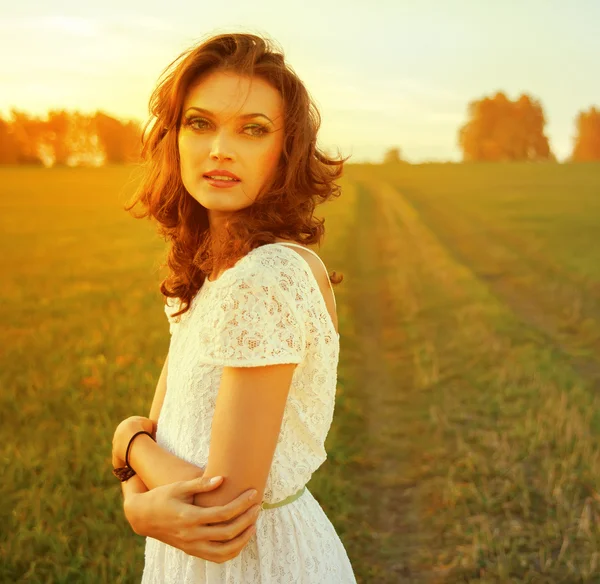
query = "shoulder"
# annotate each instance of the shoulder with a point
(277, 264)
(312, 262)
(301, 263)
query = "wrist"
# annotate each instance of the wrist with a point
(131, 509)
(116, 461)
(123, 435)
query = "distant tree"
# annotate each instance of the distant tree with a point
(57, 140)
(500, 129)
(58, 136)
(587, 139)
(68, 138)
(27, 132)
(8, 144)
(392, 156)
(119, 140)
(87, 150)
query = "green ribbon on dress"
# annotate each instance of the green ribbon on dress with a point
(287, 500)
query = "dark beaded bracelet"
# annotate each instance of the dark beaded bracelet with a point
(126, 472)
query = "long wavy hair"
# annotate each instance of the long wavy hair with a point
(304, 176)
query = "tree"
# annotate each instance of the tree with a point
(587, 139)
(87, 150)
(68, 138)
(27, 132)
(392, 156)
(500, 129)
(119, 140)
(8, 144)
(58, 136)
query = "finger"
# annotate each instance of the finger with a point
(199, 485)
(234, 545)
(216, 551)
(227, 531)
(233, 509)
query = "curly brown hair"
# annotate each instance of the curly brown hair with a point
(304, 176)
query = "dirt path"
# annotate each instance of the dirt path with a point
(383, 374)
(476, 424)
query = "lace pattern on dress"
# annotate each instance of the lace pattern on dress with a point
(268, 308)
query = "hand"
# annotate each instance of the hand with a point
(125, 430)
(216, 534)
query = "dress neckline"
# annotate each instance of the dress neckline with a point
(210, 282)
(207, 281)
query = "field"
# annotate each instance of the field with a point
(465, 442)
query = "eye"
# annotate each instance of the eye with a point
(255, 130)
(193, 122)
(258, 130)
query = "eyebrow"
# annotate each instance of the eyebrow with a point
(241, 117)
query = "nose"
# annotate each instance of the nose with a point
(220, 150)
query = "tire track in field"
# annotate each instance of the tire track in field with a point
(447, 336)
(423, 302)
(555, 304)
(461, 363)
(381, 297)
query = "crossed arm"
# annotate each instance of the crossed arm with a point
(245, 428)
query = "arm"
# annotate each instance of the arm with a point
(256, 378)
(135, 485)
(245, 428)
(159, 393)
(246, 425)
(254, 387)
(156, 466)
(165, 513)
(131, 487)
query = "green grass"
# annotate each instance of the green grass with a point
(464, 446)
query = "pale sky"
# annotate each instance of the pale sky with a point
(382, 73)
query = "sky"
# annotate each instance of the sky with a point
(383, 74)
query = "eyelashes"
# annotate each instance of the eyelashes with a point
(203, 123)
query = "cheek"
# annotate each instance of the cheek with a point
(186, 149)
(188, 162)
(271, 157)
(193, 145)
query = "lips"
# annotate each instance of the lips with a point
(218, 173)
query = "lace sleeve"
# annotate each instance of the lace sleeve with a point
(256, 320)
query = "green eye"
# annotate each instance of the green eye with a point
(193, 121)
(256, 130)
(260, 129)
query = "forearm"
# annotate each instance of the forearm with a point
(133, 486)
(155, 466)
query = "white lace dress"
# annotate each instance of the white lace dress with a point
(267, 309)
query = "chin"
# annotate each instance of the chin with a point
(221, 201)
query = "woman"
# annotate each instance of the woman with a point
(248, 387)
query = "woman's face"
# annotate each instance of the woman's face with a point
(233, 123)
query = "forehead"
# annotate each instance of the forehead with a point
(229, 94)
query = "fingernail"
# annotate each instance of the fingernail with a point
(215, 480)
(252, 496)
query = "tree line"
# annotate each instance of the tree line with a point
(64, 138)
(497, 129)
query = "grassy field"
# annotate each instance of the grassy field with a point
(464, 446)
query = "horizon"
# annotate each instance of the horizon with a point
(406, 84)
